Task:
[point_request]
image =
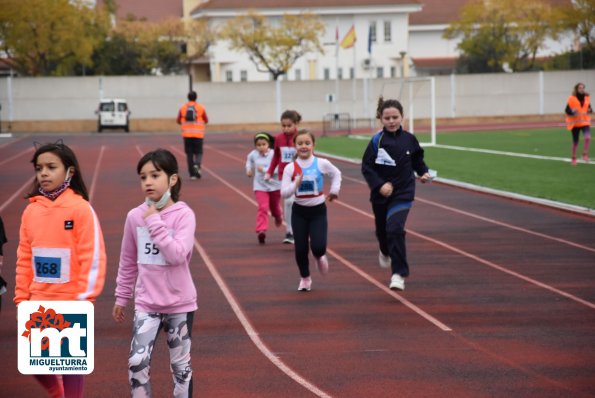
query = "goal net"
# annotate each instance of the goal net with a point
(418, 97)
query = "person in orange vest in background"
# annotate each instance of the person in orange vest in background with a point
(193, 118)
(578, 108)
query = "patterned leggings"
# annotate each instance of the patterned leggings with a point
(179, 333)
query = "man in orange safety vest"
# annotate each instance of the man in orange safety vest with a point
(193, 119)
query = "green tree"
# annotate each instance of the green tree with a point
(49, 37)
(138, 47)
(274, 46)
(504, 33)
(580, 18)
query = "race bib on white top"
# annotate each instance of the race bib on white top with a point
(147, 251)
(287, 154)
(51, 265)
(308, 186)
(384, 158)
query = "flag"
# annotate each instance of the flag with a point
(370, 40)
(349, 39)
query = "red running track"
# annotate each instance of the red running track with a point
(500, 302)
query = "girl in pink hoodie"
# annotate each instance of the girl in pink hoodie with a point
(154, 268)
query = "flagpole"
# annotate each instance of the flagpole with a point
(337, 69)
(353, 85)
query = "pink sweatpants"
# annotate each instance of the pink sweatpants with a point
(267, 200)
(65, 386)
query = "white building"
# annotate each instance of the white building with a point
(386, 20)
(407, 40)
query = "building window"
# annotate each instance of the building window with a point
(298, 74)
(373, 31)
(243, 75)
(327, 74)
(351, 73)
(340, 73)
(393, 71)
(229, 76)
(387, 32)
(380, 72)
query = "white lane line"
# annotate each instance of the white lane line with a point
(397, 296)
(485, 262)
(12, 142)
(493, 221)
(350, 265)
(252, 333)
(16, 194)
(96, 174)
(18, 155)
(504, 153)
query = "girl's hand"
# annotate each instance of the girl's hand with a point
(332, 196)
(249, 173)
(267, 176)
(150, 211)
(260, 169)
(118, 313)
(386, 189)
(425, 178)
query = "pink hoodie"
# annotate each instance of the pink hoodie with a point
(155, 258)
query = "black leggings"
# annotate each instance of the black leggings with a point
(577, 130)
(308, 223)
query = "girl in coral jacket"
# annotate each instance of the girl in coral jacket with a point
(60, 223)
(304, 177)
(154, 268)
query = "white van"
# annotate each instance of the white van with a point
(113, 113)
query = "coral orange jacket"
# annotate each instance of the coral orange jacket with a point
(61, 253)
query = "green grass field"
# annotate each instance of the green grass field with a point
(541, 178)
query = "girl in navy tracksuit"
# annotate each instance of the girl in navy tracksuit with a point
(304, 178)
(389, 161)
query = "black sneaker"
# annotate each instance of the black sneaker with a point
(289, 238)
(261, 237)
(196, 170)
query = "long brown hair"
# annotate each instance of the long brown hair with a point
(68, 158)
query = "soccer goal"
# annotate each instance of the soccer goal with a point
(418, 97)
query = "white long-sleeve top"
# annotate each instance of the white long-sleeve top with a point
(259, 164)
(289, 186)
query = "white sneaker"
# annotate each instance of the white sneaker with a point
(383, 261)
(397, 282)
(322, 263)
(305, 284)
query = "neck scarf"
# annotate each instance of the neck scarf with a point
(52, 195)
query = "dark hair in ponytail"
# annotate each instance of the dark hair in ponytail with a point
(385, 104)
(165, 161)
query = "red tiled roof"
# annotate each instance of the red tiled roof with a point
(151, 10)
(443, 12)
(256, 4)
(432, 63)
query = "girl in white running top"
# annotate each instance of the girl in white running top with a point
(304, 177)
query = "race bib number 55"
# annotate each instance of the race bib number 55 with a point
(148, 252)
